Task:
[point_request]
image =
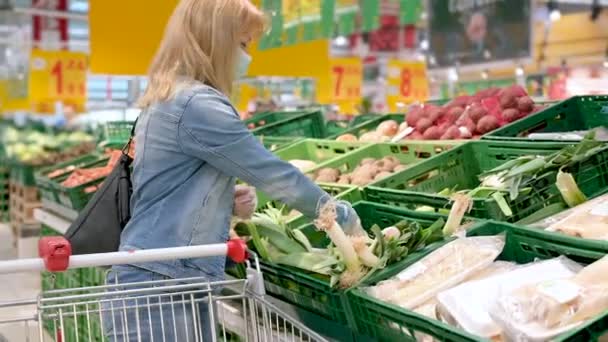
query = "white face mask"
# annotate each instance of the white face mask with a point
(242, 64)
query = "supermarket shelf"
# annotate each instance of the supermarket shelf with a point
(52, 220)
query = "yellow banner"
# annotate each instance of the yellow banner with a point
(57, 76)
(346, 75)
(407, 83)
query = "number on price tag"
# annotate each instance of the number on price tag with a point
(57, 76)
(409, 81)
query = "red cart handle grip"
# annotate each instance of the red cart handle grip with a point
(237, 250)
(56, 252)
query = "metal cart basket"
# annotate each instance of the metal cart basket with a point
(192, 309)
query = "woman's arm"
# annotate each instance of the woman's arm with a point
(211, 130)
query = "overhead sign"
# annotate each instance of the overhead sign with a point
(407, 83)
(466, 32)
(57, 76)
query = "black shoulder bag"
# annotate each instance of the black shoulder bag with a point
(99, 225)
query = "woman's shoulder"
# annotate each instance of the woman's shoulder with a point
(198, 91)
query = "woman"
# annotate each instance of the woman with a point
(191, 146)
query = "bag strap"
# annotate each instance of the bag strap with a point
(127, 147)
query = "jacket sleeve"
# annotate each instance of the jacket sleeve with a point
(210, 129)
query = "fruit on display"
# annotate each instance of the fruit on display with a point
(36, 149)
(368, 170)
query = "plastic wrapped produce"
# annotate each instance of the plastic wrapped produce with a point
(588, 220)
(545, 309)
(443, 268)
(467, 304)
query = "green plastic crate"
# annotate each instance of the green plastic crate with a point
(313, 293)
(459, 168)
(75, 197)
(278, 143)
(306, 124)
(115, 133)
(22, 174)
(575, 114)
(48, 187)
(317, 150)
(409, 154)
(365, 126)
(386, 322)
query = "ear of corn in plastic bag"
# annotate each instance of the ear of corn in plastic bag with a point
(445, 267)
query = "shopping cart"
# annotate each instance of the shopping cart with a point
(193, 309)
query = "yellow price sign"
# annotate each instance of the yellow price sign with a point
(346, 78)
(407, 82)
(57, 76)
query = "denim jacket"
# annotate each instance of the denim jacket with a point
(189, 151)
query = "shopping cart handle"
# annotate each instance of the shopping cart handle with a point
(56, 252)
(55, 255)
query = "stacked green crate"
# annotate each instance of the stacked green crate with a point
(578, 113)
(459, 168)
(381, 321)
(312, 292)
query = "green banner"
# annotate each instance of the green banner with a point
(370, 13)
(409, 11)
(272, 38)
(328, 11)
(346, 12)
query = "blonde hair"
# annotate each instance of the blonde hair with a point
(200, 43)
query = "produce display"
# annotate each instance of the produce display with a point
(81, 176)
(347, 259)
(368, 170)
(466, 117)
(36, 148)
(420, 265)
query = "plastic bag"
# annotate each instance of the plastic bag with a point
(552, 223)
(468, 304)
(589, 220)
(443, 268)
(545, 309)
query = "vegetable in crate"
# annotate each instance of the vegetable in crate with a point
(440, 270)
(348, 259)
(545, 309)
(520, 175)
(368, 170)
(83, 176)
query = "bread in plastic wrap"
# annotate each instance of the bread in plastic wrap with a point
(468, 304)
(543, 310)
(445, 267)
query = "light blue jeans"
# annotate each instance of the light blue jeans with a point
(144, 319)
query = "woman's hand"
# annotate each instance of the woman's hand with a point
(245, 201)
(348, 219)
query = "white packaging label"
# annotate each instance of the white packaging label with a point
(411, 272)
(600, 209)
(562, 291)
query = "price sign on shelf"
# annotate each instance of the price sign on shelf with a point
(346, 78)
(57, 76)
(407, 82)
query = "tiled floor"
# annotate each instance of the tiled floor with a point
(16, 288)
